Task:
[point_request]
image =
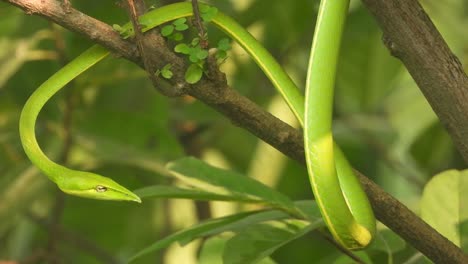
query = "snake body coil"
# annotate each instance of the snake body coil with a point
(340, 197)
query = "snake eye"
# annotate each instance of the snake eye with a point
(100, 188)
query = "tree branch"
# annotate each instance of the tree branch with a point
(244, 113)
(411, 36)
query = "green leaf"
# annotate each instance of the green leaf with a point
(259, 241)
(443, 203)
(210, 227)
(167, 30)
(166, 71)
(309, 209)
(207, 13)
(195, 42)
(182, 48)
(224, 44)
(202, 54)
(178, 36)
(179, 21)
(344, 259)
(387, 241)
(164, 191)
(181, 27)
(193, 73)
(221, 55)
(167, 74)
(241, 224)
(197, 54)
(180, 24)
(194, 58)
(125, 31)
(212, 252)
(190, 233)
(204, 176)
(117, 27)
(204, 8)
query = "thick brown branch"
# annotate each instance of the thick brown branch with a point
(78, 22)
(244, 113)
(412, 37)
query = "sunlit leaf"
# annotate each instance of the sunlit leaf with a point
(443, 203)
(193, 73)
(167, 30)
(202, 175)
(164, 191)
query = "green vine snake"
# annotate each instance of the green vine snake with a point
(341, 199)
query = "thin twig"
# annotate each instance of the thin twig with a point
(199, 25)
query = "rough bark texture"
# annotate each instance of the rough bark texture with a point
(214, 91)
(411, 36)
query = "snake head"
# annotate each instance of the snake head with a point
(94, 186)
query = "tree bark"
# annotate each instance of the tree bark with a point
(411, 36)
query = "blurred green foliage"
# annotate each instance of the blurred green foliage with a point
(121, 127)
